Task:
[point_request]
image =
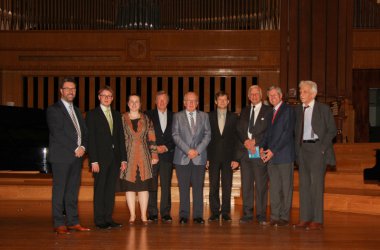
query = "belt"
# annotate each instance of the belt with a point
(310, 141)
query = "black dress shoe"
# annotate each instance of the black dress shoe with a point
(183, 221)
(166, 218)
(199, 220)
(115, 224)
(152, 218)
(226, 217)
(213, 217)
(246, 219)
(104, 226)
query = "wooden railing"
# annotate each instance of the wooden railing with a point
(139, 14)
(42, 91)
(366, 14)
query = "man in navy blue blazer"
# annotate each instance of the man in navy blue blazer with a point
(278, 151)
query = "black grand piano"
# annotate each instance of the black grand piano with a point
(372, 175)
(24, 139)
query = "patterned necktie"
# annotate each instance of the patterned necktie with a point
(109, 119)
(192, 123)
(76, 125)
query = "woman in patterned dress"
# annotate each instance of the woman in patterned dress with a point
(140, 142)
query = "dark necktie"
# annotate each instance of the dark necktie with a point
(251, 120)
(303, 123)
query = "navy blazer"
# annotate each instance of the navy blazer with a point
(163, 138)
(62, 133)
(104, 147)
(279, 137)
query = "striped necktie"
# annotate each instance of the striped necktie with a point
(76, 125)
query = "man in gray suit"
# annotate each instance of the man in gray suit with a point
(191, 134)
(315, 129)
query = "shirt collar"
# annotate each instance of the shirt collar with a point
(277, 106)
(257, 106)
(104, 108)
(311, 104)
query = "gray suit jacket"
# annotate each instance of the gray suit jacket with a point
(323, 125)
(184, 140)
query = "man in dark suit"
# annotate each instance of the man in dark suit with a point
(251, 127)
(107, 154)
(162, 119)
(278, 152)
(315, 129)
(220, 156)
(67, 145)
(191, 134)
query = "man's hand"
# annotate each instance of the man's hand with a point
(250, 145)
(266, 155)
(79, 152)
(162, 149)
(95, 167)
(234, 164)
(154, 161)
(192, 154)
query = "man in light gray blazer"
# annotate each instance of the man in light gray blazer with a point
(191, 134)
(314, 131)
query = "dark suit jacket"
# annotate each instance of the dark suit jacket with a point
(323, 125)
(62, 133)
(261, 125)
(279, 137)
(102, 146)
(222, 146)
(163, 138)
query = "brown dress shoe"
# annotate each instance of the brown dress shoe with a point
(302, 225)
(78, 228)
(314, 226)
(61, 230)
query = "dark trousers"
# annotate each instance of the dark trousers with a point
(254, 180)
(220, 171)
(193, 175)
(165, 171)
(66, 183)
(312, 169)
(104, 192)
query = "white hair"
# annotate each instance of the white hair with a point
(313, 85)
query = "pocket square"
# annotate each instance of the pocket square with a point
(262, 118)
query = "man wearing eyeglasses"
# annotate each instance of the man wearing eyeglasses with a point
(67, 145)
(107, 154)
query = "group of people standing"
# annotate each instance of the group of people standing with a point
(129, 152)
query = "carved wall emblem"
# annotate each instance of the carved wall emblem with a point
(137, 49)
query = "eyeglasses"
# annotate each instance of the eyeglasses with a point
(107, 96)
(69, 89)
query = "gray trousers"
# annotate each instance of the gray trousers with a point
(193, 175)
(254, 177)
(312, 169)
(281, 190)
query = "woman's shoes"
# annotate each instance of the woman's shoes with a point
(144, 221)
(132, 220)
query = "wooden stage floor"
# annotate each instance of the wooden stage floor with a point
(27, 225)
